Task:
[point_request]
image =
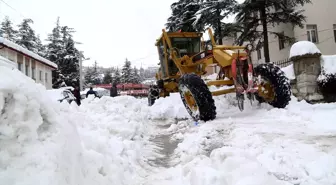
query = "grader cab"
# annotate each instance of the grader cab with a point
(183, 61)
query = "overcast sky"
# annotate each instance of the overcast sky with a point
(110, 30)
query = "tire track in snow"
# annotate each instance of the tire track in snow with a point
(164, 144)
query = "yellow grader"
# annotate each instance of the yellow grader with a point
(184, 58)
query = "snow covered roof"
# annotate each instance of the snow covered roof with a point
(25, 51)
(302, 48)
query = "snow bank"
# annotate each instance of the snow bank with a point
(38, 145)
(168, 108)
(7, 63)
(302, 48)
(289, 72)
(113, 132)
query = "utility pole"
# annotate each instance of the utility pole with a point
(81, 70)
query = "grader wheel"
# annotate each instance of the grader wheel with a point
(276, 89)
(197, 98)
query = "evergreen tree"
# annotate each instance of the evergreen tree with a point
(253, 14)
(117, 77)
(89, 76)
(40, 48)
(135, 77)
(182, 15)
(142, 74)
(26, 35)
(7, 31)
(61, 49)
(96, 77)
(55, 45)
(107, 77)
(126, 72)
(211, 13)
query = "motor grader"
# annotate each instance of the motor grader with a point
(184, 58)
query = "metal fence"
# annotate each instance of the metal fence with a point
(283, 63)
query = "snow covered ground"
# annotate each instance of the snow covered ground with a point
(120, 140)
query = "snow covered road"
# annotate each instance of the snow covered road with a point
(121, 141)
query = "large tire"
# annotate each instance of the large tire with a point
(202, 96)
(153, 94)
(279, 82)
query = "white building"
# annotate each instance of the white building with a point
(28, 62)
(320, 28)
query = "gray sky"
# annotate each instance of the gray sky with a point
(110, 30)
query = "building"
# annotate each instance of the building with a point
(28, 62)
(319, 28)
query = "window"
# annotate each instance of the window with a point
(312, 35)
(335, 32)
(27, 68)
(46, 77)
(40, 75)
(20, 66)
(281, 41)
(259, 54)
(187, 45)
(33, 73)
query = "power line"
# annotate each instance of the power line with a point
(12, 8)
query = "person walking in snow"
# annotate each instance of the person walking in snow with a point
(114, 90)
(76, 93)
(91, 91)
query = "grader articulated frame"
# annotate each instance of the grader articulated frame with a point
(184, 59)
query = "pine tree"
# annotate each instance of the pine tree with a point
(182, 15)
(7, 31)
(40, 48)
(89, 76)
(253, 14)
(107, 77)
(96, 78)
(211, 13)
(26, 35)
(61, 49)
(142, 74)
(117, 77)
(54, 48)
(126, 72)
(135, 77)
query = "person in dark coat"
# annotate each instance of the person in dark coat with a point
(91, 91)
(114, 90)
(76, 93)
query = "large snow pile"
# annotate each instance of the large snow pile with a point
(169, 107)
(38, 144)
(45, 142)
(303, 48)
(289, 71)
(7, 63)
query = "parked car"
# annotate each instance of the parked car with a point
(62, 94)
